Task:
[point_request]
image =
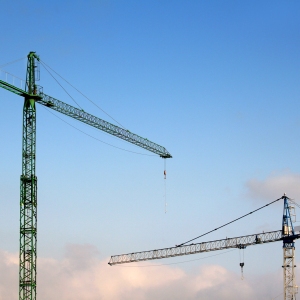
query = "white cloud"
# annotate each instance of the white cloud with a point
(80, 275)
(274, 186)
(9, 276)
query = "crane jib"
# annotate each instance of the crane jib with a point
(89, 119)
(102, 125)
(237, 242)
(28, 185)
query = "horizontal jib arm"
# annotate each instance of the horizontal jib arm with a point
(12, 88)
(237, 242)
(102, 125)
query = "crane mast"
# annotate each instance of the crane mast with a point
(28, 187)
(287, 235)
(289, 285)
(28, 193)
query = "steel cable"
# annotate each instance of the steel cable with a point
(98, 139)
(9, 63)
(82, 94)
(231, 221)
(61, 85)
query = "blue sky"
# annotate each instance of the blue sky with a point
(215, 82)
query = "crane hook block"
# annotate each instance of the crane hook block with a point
(242, 273)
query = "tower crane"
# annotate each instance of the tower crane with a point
(28, 195)
(287, 234)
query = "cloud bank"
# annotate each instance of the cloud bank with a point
(274, 186)
(80, 275)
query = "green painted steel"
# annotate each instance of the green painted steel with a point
(28, 197)
(91, 120)
(28, 194)
(13, 88)
(112, 129)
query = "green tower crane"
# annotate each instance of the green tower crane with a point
(28, 195)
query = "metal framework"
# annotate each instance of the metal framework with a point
(91, 120)
(28, 194)
(112, 129)
(287, 235)
(237, 242)
(289, 286)
(28, 201)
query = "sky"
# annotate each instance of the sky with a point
(214, 82)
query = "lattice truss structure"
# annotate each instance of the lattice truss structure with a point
(289, 285)
(91, 120)
(28, 191)
(28, 195)
(288, 235)
(237, 242)
(289, 280)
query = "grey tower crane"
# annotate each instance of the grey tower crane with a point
(286, 234)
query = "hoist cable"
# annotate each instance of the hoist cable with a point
(96, 138)
(294, 202)
(277, 296)
(11, 74)
(9, 63)
(60, 85)
(231, 221)
(165, 185)
(83, 95)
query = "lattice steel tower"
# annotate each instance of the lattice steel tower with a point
(28, 197)
(290, 288)
(286, 234)
(28, 201)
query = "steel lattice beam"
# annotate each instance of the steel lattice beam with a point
(289, 285)
(112, 129)
(91, 120)
(237, 242)
(13, 89)
(28, 196)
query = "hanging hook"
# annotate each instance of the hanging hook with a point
(165, 186)
(242, 272)
(242, 264)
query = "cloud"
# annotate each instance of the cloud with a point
(81, 275)
(274, 186)
(9, 276)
